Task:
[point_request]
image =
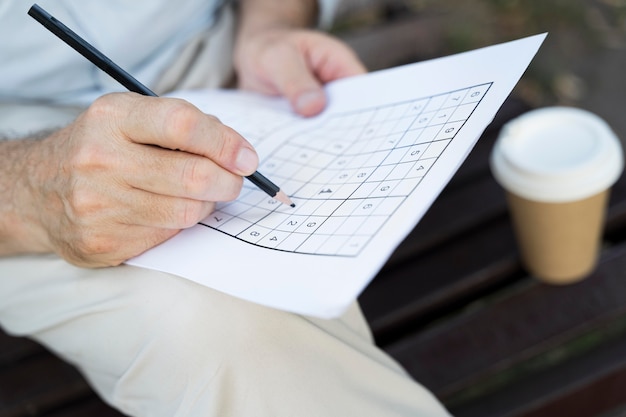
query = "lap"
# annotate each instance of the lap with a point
(149, 341)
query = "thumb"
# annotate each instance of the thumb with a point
(295, 80)
(309, 102)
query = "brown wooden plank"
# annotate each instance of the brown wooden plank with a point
(91, 407)
(432, 283)
(42, 383)
(455, 212)
(616, 216)
(478, 344)
(405, 40)
(617, 412)
(591, 384)
(591, 397)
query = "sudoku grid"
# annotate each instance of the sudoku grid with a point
(347, 175)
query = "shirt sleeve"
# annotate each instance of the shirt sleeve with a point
(327, 10)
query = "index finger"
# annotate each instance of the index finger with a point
(178, 125)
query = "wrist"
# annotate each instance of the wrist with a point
(261, 15)
(19, 218)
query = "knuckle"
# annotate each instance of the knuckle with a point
(103, 107)
(194, 177)
(233, 190)
(188, 214)
(92, 138)
(225, 144)
(213, 118)
(89, 245)
(83, 202)
(223, 149)
(86, 158)
(181, 121)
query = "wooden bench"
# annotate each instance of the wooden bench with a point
(453, 303)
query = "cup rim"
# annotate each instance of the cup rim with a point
(597, 165)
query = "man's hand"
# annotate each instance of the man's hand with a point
(129, 173)
(275, 55)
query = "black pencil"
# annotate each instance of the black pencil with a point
(105, 64)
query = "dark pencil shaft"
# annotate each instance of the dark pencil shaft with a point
(263, 183)
(105, 64)
(85, 49)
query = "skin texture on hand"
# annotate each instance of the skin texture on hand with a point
(277, 53)
(129, 173)
(294, 63)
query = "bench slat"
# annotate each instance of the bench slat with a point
(92, 407)
(13, 349)
(434, 283)
(588, 385)
(461, 352)
(39, 384)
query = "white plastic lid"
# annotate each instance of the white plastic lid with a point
(557, 154)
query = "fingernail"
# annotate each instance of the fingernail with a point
(247, 160)
(310, 103)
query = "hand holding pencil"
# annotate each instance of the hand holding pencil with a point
(129, 173)
(113, 185)
(133, 170)
(104, 63)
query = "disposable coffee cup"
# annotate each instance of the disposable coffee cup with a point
(557, 166)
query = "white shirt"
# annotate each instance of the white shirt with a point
(141, 36)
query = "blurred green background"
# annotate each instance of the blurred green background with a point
(581, 64)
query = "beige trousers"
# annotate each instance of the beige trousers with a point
(153, 344)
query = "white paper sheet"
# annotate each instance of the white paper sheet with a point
(362, 174)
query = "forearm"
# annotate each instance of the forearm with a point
(17, 234)
(257, 15)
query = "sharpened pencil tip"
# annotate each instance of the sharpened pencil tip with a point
(282, 197)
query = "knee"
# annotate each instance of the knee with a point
(196, 345)
(197, 330)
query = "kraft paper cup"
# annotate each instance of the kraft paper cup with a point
(557, 165)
